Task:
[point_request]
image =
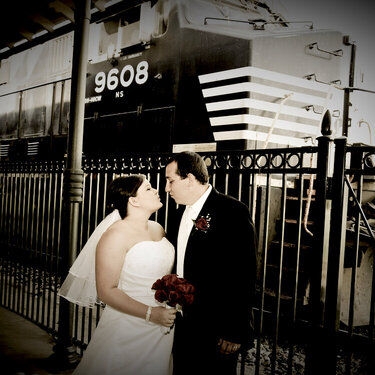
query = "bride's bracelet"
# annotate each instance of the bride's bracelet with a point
(148, 313)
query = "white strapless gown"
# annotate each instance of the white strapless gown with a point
(125, 344)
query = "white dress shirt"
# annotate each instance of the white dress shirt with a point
(186, 224)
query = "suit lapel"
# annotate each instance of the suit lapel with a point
(199, 247)
(207, 209)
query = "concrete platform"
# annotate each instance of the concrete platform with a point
(25, 349)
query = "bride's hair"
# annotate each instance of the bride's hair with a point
(121, 189)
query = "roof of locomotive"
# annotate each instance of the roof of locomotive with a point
(239, 19)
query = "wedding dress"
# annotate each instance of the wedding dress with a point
(122, 343)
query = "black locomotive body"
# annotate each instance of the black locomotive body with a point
(153, 93)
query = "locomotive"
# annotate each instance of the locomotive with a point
(169, 75)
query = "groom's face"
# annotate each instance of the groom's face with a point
(176, 186)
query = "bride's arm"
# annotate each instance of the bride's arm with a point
(110, 254)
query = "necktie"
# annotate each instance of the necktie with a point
(183, 235)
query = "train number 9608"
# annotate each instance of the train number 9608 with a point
(125, 77)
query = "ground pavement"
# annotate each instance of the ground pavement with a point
(25, 348)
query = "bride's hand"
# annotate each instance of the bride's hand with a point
(163, 316)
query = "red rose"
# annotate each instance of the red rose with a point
(202, 223)
(170, 280)
(161, 295)
(158, 284)
(188, 299)
(174, 298)
(185, 288)
(166, 282)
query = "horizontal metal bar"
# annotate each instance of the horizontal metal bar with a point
(263, 106)
(264, 90)
(252, 71)
(258, 136)
(267, 122)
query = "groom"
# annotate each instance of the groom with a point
(216, 252)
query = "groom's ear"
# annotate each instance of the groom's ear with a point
(191, 178)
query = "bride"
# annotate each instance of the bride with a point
(124, 256)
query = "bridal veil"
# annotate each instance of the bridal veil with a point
(79, 286)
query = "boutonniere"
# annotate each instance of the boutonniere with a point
(202, 223)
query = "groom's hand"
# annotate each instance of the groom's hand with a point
(227, 347)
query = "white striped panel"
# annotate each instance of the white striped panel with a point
(265, 90)
(265, 74)
(264, 106)
(265, 121)
(256, 136)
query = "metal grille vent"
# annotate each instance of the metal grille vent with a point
(32, 148)
(4, 150)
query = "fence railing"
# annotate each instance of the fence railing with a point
(289, 194)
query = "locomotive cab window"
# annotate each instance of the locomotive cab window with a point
(127, 32)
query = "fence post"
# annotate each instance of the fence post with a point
(335, 256)
(319, 257)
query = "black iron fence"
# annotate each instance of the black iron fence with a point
(313, 214)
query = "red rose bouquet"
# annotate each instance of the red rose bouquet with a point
(174, 291)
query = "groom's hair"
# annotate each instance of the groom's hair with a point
(190, 162)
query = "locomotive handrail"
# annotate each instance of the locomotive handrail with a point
(338, 52)
(36, 86)
(259, 24)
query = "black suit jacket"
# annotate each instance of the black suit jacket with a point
(221, 264)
